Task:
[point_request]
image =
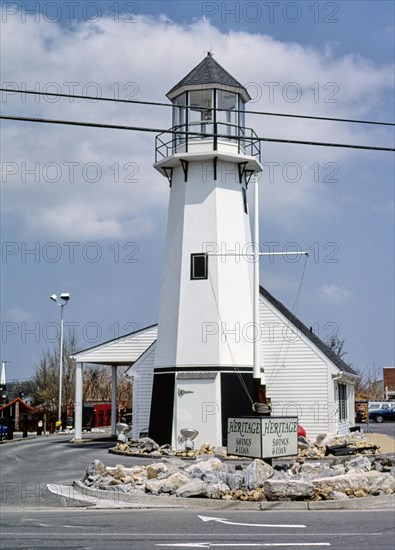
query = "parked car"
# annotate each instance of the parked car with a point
(3, 431)
(383, 413)
(379, 405)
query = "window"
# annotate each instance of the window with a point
(227, 102)
(200, 112)
(179, 117)
(199, 266)
(343, 402)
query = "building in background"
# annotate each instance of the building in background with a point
(389, 383)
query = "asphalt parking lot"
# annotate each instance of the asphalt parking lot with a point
(386, 428)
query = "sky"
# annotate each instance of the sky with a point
(83, 211)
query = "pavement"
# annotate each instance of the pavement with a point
(385, 442)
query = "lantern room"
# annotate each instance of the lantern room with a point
(208, 115)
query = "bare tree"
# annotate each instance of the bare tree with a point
(336, 344)
(369, 385)
(97, 385)
(45, 382)
(96, 382)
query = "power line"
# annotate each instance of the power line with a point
(160, 104)
(200, 134)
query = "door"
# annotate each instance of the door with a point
(197, 406)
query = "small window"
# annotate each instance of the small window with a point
(199, 265)
(342, 402)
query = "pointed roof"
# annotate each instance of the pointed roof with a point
(22, 404)
(210, 74)
(121, 351)
(342, 365)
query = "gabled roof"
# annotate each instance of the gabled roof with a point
(124, 350)
(210, 74)
(307, 332)
(22, 405)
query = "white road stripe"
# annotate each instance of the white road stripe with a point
(244, 545)
(227, 522)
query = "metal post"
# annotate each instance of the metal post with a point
(261, 405)
(78, 405)
(114, 400)
(61, 364)
(257, 377)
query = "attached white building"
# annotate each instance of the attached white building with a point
(303, 375)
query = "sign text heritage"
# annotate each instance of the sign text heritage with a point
(263, 437)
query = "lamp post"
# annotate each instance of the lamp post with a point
(64, 298)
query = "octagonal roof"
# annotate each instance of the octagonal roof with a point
(210, 74)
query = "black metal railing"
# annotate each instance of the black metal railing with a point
(179, 138)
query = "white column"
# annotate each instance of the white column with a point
(256, 319)
(78, 405)
(113, 399)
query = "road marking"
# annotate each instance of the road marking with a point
(246, 544)
(227, 522)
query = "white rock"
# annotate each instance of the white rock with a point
(256, 473)
(278, 489)
(369, 482)
(167, 485)
(358, 462)
(215, 490)
(194, 488)
(199, 469)
(153, 470)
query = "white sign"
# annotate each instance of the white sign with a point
(263, 437)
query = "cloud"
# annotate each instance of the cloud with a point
(334, 294)
(141, 62)
(18, 315)
(387, 207)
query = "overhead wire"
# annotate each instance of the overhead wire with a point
(161, 104)
(200, 134)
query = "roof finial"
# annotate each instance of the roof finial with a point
(209, 52)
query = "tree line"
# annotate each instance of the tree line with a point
(43, 387)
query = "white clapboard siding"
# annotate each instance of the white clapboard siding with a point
(296, 372)
(142, 373)
(121, 351)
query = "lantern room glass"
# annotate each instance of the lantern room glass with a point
(206, 112)
(227, 114)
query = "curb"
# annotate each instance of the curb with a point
(98, 498)
(20, 439)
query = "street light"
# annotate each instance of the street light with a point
(64, 297)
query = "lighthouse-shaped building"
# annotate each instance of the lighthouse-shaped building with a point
(204, 353)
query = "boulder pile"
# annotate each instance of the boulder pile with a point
(147, 446)
(208, 476)
(317, 449)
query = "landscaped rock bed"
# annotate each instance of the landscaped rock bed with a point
(147, 446)
(335, 478)
(321, 447)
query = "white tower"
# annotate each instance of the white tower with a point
(204, 355)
